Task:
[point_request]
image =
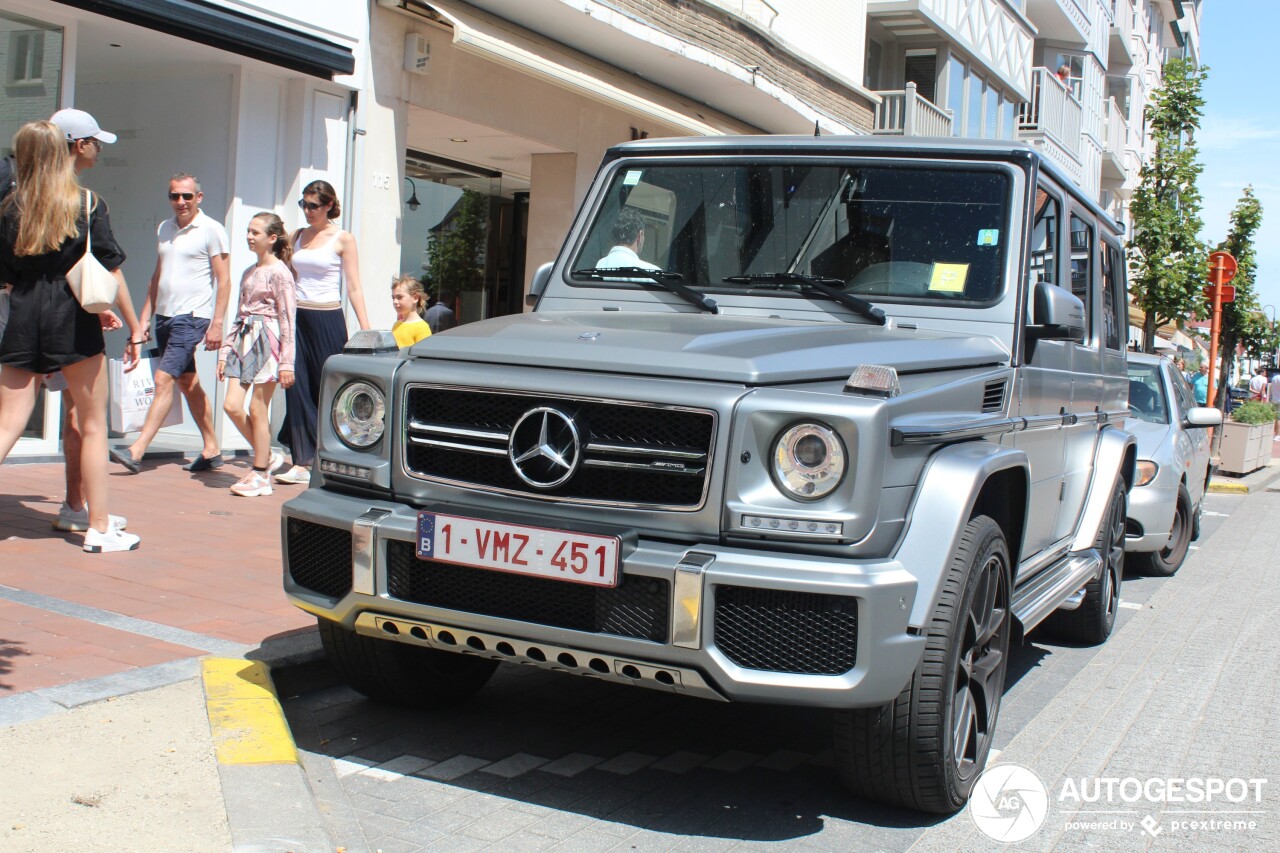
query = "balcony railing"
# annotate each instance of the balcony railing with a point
(1122, 18)
(906, 113)
(1052, 112)
(1115, 129)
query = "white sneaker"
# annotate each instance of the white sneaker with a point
(114, 539)
(254, 486)
(77, 521)
(277, 461)
(295, 476)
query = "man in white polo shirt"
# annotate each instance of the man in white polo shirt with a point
(188, 298)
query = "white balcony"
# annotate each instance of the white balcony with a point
(1115, 138)
(1121, 50)
(905, 113)
(1060, 20)
(1051, 121)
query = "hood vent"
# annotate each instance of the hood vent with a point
(993, 396)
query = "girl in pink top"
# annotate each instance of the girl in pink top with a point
(259, 350)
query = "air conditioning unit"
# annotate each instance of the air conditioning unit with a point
(417, 53)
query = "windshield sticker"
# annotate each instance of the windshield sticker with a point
(630, 179)
(948, 278)
(988, 236)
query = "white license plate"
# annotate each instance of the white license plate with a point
(539, 551)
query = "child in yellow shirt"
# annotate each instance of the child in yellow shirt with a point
(409, 300)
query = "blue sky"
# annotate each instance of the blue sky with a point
(1240, 134)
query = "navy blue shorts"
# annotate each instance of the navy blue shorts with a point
(177, 338)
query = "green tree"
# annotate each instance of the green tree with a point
(456, 254)
(1243, 321)
(1166, 257)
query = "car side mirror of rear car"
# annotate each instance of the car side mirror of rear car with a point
(537, 284)
(1202, 416)
(1057, 314)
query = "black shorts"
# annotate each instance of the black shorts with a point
(47, 328)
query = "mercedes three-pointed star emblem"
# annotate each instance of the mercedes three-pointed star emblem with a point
(544, 447)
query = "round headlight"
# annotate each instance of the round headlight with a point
(808, 461)
(357, 415)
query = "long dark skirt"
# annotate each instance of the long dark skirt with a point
(318, 334)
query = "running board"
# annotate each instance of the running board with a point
(1055, 588)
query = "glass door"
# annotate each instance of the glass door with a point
(31, 64)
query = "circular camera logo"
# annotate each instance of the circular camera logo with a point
(1009, 803)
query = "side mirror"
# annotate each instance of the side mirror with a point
(541, 276)
(1202, 416)
(1056, 314)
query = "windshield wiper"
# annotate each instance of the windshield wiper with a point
(812, 284)
(668, 281)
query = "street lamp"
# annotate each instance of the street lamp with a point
(412, 203)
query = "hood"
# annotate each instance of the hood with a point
(1150, 436)
(723, 348)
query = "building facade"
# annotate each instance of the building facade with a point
(471, 130)
(1070, 77)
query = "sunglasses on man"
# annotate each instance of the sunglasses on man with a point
(183, 196)
(309, 205)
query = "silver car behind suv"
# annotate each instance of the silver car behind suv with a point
(1173, 464)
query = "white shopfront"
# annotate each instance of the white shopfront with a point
(256, 99)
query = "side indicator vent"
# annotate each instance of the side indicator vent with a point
(993, 396)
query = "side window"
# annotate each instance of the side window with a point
(1182, 391)
(1044, 239)
(1115, 313)
(1082, 265)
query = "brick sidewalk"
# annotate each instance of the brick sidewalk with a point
(206, 578)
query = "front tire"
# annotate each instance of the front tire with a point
(925, 749)
(401, 674)
(1166, 562)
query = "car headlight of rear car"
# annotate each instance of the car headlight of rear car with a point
(358, 413)
(1146, 472)
(808, 461)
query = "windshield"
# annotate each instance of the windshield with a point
(1146, 394)
(914, 232)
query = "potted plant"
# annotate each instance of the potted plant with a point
(1246, 438)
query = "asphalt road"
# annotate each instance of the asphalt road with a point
(543, 761)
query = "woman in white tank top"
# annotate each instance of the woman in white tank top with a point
(324, 258)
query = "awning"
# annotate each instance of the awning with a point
(231, 31)
(508, 44)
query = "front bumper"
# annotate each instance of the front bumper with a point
(1151, 507)
(689, 660)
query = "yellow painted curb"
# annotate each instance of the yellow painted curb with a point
(245, 718)
(1229, 488)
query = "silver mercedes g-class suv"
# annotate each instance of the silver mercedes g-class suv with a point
(814, 421)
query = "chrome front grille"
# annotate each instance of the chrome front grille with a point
(630, 454)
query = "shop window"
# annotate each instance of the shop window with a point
(26, 58)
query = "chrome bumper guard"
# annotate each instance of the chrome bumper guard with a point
(542, 655)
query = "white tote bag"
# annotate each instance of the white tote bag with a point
(91, 282)
(131, 396)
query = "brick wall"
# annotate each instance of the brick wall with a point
(726, 35)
